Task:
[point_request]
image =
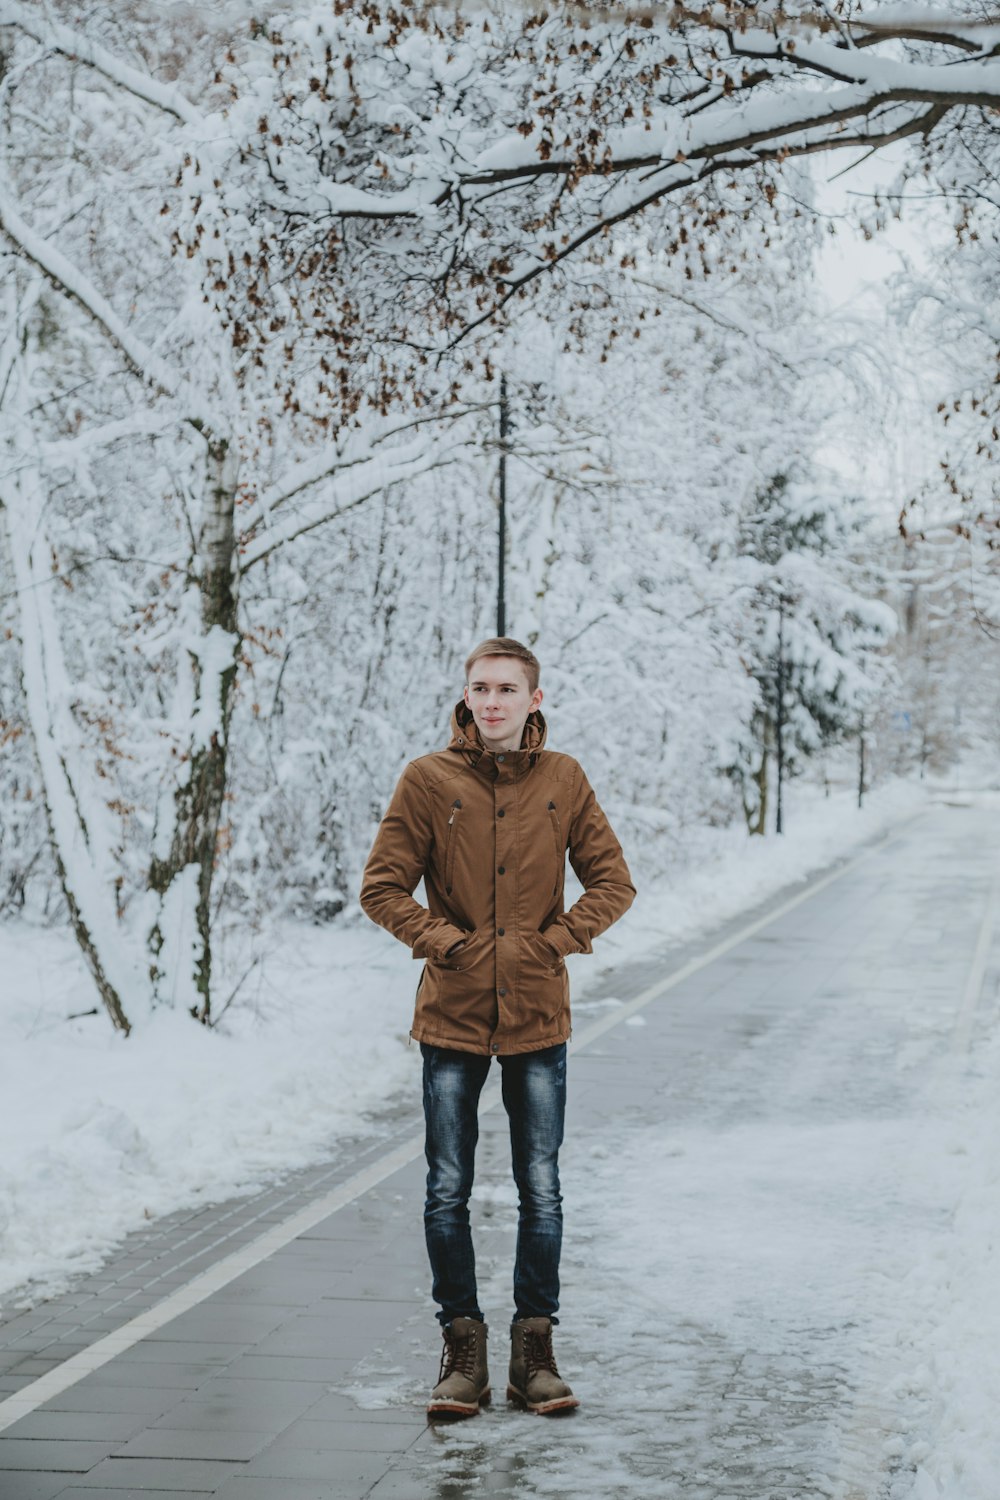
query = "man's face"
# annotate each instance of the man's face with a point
(501, 700)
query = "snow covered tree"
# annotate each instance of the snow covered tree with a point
(71, 362)
(811, 629)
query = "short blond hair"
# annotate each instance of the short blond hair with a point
(503, 645)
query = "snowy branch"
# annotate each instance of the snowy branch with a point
(365, 479)
(74, 45)
(68, 279)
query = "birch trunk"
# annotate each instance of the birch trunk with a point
(189, 815)
(755, 810)
(81, 832)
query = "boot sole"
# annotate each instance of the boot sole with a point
(542, 1408)
(458, 1408)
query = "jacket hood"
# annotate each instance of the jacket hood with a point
(465, 736)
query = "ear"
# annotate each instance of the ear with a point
(465, 696)
(536, 699)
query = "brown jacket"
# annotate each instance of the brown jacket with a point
(489, 834)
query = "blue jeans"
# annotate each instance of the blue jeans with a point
(534, 1096)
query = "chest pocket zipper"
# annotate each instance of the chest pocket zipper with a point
(452, 840)
(559, 846)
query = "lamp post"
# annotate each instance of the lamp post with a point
(502, 516)
(779, 714)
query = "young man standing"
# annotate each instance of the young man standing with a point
(487, 823)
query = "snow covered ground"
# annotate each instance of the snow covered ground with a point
(101, 1133)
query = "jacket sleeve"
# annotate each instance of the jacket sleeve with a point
(395, 868)
(597, 858)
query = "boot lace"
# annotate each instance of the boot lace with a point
(458, 1357)
(538, 1353)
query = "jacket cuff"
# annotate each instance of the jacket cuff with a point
(435, 944)
(560, 940)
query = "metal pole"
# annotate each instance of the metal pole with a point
(780, 714)
(502, 519)
(861, 762)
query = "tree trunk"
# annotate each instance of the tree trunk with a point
(79, 827)
(755, 811)
(190, 811)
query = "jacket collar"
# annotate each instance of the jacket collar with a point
(507, 763)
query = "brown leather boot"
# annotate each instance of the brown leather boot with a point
(534, 1381)
(464, 1382)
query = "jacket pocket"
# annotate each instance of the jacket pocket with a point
(468, 956)
(451, 843)
(559, 846)
(539, 957)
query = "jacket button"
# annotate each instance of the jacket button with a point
(500, 757)
(495, 1047)
(500, 932)
(501, 869)
(501, 813)
(501, 991)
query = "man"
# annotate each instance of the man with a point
(487, 823)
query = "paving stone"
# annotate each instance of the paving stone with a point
(269, 1405)
(230, 1325)
(327, 1464)
(266, 1394)
(102, 1427)
(366, 1437)
(224, 1416)
(34, 1486)
(90, 1493)
(243, 1487)
(35, 1367)
(291, 1367)
(161, 1442)
(337, 1407)
(89, 1395)
(163, 1374)
(48, 1454)
(184, 1352)
(345, 1345)
(189, 1475)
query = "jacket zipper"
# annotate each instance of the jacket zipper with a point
(449, 855)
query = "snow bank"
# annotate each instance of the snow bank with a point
(101, 1133)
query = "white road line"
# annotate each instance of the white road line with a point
(22, 1403)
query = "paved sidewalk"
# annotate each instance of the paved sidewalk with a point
(304, 1378)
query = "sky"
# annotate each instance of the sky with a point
(856, 276)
